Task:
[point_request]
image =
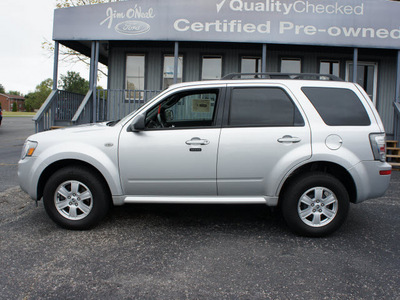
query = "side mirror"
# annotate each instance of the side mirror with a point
(139, 124)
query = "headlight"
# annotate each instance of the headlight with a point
(28, 149)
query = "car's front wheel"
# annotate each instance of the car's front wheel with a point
(315, 204)
(76, 198)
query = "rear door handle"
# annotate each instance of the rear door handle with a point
(197, 141)
(289, 139)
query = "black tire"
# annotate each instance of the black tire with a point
(306, 205)
(86, 201)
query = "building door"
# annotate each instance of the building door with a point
(367, 76)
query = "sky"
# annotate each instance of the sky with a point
(24, 26)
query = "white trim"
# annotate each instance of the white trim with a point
(270, 201)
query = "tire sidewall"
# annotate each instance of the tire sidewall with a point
(94, 184)
(298, 188)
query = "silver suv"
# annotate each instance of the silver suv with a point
(308, 146)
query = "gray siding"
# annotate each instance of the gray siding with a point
(386, 91)
(231, 53)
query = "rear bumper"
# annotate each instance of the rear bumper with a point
(369, 182)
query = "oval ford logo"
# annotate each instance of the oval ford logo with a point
(132, 27)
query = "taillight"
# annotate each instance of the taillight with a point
(385, 172)
(378, 145)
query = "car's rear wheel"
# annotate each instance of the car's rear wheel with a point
(76, 198)
(315, 204)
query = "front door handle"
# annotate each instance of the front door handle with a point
(197, 141)
(289, 139)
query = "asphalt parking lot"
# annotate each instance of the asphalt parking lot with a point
(191, 251)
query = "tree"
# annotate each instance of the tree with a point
(73, 82)
(15, 93)
(2, 89)
(14, 107)
(69, 3)
(35, 100)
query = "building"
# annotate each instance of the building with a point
(148, 45)
(7, 102)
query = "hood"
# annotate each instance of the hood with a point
(72, 132)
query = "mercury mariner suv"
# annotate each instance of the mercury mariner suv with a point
(307, 145)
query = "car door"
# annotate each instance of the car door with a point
(176, 153)
(264, 135)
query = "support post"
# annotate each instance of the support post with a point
(397, 99)
(355, 63)
(95, 68)
(55, 66)
(176, 60)
(264, 58)
(91, 71)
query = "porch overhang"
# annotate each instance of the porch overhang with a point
(84, 47)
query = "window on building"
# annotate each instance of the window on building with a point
(168, 72)
(135, 72)
(329, 67)
(250, 65)
(211, 67)
(263, 107)
(290, 65)
(367, 77)
(337, 106)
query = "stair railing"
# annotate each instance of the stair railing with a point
(84, 112)
(58, 109)
(396, 129)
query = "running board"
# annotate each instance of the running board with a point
(270, 201)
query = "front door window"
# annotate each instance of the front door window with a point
(188, 109)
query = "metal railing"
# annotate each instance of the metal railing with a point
(65, 108)
(116, 104)
(58, 109)
(396, 129)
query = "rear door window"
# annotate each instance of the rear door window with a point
(262, 107)
(337, 106)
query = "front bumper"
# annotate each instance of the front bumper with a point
(27, 177)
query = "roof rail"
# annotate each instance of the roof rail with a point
(301, 76)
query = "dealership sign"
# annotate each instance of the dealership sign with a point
(354, 23)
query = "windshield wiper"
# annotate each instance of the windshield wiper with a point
(112, 123)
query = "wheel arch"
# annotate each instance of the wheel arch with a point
(44, 177)
(325, 167)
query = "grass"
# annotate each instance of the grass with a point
(18, 114)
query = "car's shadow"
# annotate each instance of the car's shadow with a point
(197, 215)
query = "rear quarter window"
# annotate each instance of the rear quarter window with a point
(337, 106)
